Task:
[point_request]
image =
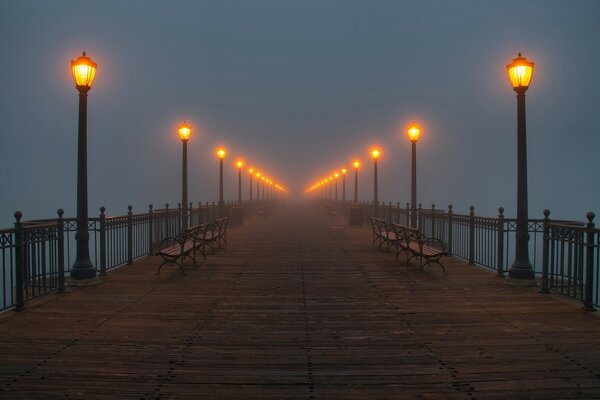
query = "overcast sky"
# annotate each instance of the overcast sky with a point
(298, 89)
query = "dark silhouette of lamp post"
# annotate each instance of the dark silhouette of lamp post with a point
(344, 172)
(356, 166)
(375, 153)
(330, 180)
(184, 134)
(240, 164)
(413, 135)
(520, 72)
(221, 152)
(263, 186)
(84, 71)
(250, 173)
(257, 186)
(336, 176)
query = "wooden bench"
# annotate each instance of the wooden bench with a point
(383, 233)
(216, 235)
(415, 244)
(174, 250)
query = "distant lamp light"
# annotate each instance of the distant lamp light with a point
(520, 72)
(414, 132)
(375, 153)
(344, 171)
(336, 175)
(84, 71)
(240, 164)
(251, 171)
(184, 132)
(221, 153)
(356, 164)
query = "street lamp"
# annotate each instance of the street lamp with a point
(413, 135)
(240, 164)
(336, 175)
(520, 72)
(84, 71)
(375, 153)
(221, 152)
(356, 166)
(184, 131)
(263, 186)
(257, 186)
(251, 172)
(344, 172)
(330, 179)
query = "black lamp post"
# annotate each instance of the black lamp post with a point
(221, 155)
(375, 153)
(250, 172)
(336, 176)
(240, 164)
(413, 135)
(520, 72)
(184, 134)
(84, 71)
(344, 172)
(356, 165)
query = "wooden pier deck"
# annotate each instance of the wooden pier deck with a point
(300, 306)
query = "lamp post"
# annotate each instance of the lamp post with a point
(336, 176)
(356, 166)
(240, 164)
(413, 135)
(250, 172)
(520, 72)
(344, 172)
(257, 186)
(263, 186)
(184, 131)
(330, 180)
(221, 152)
(84, 71)
(375, 153)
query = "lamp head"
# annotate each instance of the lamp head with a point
(356, 164)
(414, 132)
(221, 153)
(240, 164)
(184, 131)
(520, 72)
(344, 171)
(375, 153)
(84, 71)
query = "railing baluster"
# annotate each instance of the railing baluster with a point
(19, 261)
(472, 236)
(500, 242)
(61, 251)
(129, 235)
(546, 253)
(589, 263)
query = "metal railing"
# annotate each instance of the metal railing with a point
(36, 255)
(566, 257)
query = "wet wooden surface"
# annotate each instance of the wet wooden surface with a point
(300, 306)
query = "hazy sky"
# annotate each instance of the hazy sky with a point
(299, 88)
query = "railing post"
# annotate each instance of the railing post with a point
(546, 254)
(420, 218)
(19, 262)
(191, 216)
(61, 251)
(179, 224)
(150, 226)
(432, 220)
(407, 214)
(398, 212)
(450, 230)
(167, 231)
(589, 264)
(472, 236)
(102, 241)
(129, 235)
(500, 240)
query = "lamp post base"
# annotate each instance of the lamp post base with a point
(522, 272)
(79, 272)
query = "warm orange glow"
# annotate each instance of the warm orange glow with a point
(356, 164)
(344, 171)
(258, 175)
(336, 175)
(330, 178)
(263, 178)
(184, 131)
(251, 171)
(520, 72)
(84, 71)
(375, 153)
(240, 164)
(414, 132)
(221, 153)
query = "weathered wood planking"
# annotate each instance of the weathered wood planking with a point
(298, 308)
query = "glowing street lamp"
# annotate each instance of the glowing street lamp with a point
(520, 72)
(240, 164)
(336, 176)
(413, 135)
(263, 186)
(250, 172)
(344, 172)
(84, 71)
(185, 132)
(356, 165)
(257, 186)
(221, 152)
(375, 153)
(330, 179)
